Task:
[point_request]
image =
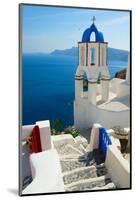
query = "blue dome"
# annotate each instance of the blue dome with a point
(87, 34)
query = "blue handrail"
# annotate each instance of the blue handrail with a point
(104, 141)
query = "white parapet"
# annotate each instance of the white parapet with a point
(45, 134)
(48, 174)
(115, 142)
(64, 139)
(117, 167)
(123, 89)
(86, 114)
(92, 91)
(94, 137)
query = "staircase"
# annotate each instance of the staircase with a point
(82, 171)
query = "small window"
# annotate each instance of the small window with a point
(99, 78)
(85, 83)
(92, 56)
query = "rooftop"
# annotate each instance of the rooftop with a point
(92, 29)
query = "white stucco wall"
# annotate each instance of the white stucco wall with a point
(118, 167)
(45, 136)
(103, 50)
(82, 54)
(92, 92)
(78, 88)
(86, 114)
(48, 175)
(94, 137)
(114, 83)
(100, 53)
(123, 89)
(120, 87)
(105, 89)
(99, 89)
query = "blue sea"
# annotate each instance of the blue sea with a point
(48, 87)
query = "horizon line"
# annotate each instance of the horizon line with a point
(42, 52)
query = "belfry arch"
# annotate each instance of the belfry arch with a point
(92, 62)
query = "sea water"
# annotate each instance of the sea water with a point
(48, 87)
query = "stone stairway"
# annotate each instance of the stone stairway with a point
(82, 171)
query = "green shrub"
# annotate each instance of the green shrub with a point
(73, 131)
(56, 126)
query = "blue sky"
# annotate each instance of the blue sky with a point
(45, 29)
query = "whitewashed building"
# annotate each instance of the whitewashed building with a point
(106, 101)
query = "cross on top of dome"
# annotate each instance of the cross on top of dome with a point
(92, 29)
(93, 19)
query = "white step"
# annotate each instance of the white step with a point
(106, 187)
(88, 184)
(70, 164)
(67, 149)
(79, 174)
(80, 171)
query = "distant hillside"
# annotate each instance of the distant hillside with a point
(121, 74)
(70, 52)
(113, 54)
(117, 54)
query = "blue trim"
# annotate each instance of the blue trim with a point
(104, 141)
(87, 34)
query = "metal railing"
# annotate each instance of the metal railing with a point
(104, 141)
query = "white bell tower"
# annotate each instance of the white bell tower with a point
(92, 61)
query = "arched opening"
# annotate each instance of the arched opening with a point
(92, 56)
(93, 37)
(99, 78)
(99, 90)
(85, 85)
